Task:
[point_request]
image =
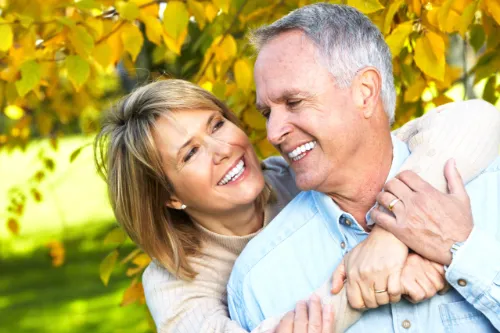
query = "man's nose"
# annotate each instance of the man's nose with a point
(219, 149)
(278, 127)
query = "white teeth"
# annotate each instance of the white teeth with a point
(234, 173)
(298, 152)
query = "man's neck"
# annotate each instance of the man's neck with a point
(358, 191)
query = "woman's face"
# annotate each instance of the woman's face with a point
(209, 160)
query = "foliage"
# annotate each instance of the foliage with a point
(63, 61)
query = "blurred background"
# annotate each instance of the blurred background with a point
(64, 263)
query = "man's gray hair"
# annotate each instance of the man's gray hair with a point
(347, 40)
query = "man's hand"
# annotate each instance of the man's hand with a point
(308, 318)
(373, 271)
(426, 220)
(421, 279)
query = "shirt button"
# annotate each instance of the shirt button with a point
(462, 282)
(342, 245)
(348, 222)
(406, 324)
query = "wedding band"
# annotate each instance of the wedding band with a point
(380, 291)
(393, 203)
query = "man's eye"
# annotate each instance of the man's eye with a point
(266, 113)
(293, 103)
(218, 125)
(190, 154)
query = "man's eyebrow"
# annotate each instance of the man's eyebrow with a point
(188, 142)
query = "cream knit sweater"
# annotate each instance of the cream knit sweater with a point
(468, 131)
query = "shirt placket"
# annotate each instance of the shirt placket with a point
(405, 318)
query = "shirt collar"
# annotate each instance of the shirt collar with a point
(332, 212)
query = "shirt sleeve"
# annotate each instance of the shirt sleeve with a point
(183, 307)
(467, 131)
(475, 273)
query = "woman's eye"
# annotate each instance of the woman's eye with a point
(190, 154)
(218, 125)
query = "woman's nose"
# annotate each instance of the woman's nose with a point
(219, 149)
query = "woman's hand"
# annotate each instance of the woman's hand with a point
(421, 278)
(308, 318)
(373, 271)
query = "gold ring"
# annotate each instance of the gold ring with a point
(393, 203)
(380, 291)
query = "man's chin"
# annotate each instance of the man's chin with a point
(305, 183)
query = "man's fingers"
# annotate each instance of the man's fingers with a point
(315, 315)
(354, 296)
(383, 219)
(388, 201)
(394, 287)
(338, 277)
(455, 183)
(328, 319)
(414, 291)
(301, 317)
(286, 323)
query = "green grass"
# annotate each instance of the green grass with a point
(36, 297)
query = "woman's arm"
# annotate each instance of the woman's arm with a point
(179, 306)
(467, 131)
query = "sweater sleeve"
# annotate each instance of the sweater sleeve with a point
(467, 131)
(179, 306)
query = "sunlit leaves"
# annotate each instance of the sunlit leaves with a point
(107, 266)
(14, 112)
(82, 41)
(430, 55)
(132, 40)
(366, 6)
(127, 10)
(13, 226)
(134, 293)
(154, 29)
(78, 70)
(56, 252)
(116, 236)
(6, 37)
(243, 75)
(396, 40)
(493, 7)
(175, 19)
(30, 77)
(222, 4)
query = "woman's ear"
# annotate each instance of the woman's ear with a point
(174, 203)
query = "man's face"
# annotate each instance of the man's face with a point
(313, 123)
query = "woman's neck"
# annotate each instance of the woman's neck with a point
(242, 222)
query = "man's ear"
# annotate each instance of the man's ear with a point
(366, 88)
(174, 203)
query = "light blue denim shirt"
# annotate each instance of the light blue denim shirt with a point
(299, 250)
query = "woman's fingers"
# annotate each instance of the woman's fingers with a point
(328, 319)
(301, 317)
(286, 323)
(315, 315)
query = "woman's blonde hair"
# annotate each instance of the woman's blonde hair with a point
(126, 156)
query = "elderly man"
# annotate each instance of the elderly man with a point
(324, 82)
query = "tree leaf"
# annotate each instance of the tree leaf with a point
(198, 11)
(116, 236)
(14, 112)
(493, 7)
(7, 37)
(31, 74)
(477, 37)
(154, 29)
(13, 226)
(414, 92)
(253, 118)
(227, 48)
(175, 18)
(397, 39)
(132, 40)
(489, 90)
(75, 153)
(82, 41)
(103, 54)
(389, 17)
(223, 5)
(430, 55)
(134, 293)
(87, 5)
(142, 260)
(365, 6)
(56, 252)
(243, 75)
(127, 10)
(210, 11)
(107, 265)
(78, 70)
(467, 18)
